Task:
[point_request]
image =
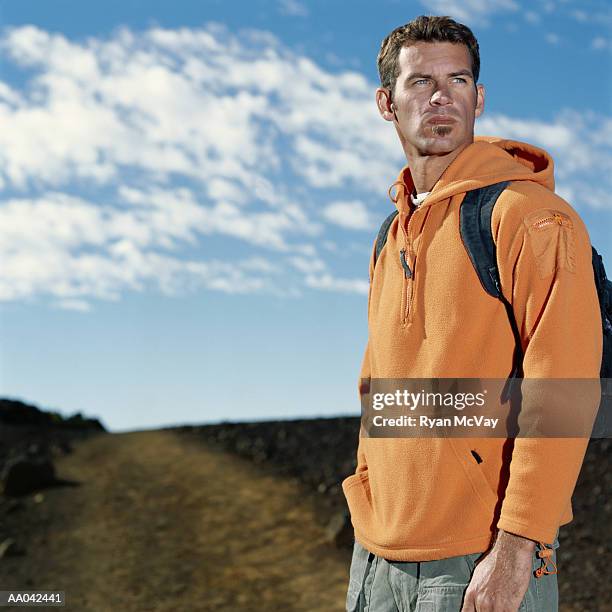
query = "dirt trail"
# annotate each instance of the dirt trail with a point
(161, 522)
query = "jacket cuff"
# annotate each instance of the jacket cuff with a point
(532, 531)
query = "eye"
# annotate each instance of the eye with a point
(421, 82)
(459, 79)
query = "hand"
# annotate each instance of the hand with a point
(501, 578)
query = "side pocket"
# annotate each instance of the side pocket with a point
(358, 496)
(353, 479)
(474, 473)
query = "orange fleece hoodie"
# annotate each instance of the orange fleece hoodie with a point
(419, 499)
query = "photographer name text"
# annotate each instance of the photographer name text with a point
(429, 422)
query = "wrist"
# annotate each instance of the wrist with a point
(507, 539)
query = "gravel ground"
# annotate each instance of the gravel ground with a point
(321, 453)
(159, 522)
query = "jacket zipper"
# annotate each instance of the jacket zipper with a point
(555, 219)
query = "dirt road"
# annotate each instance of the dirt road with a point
(160, 522)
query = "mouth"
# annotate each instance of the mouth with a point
(441, 120)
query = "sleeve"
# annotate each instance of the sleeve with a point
(545, 258)
(363, 386)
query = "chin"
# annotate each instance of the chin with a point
(437, 146)
(440, 145)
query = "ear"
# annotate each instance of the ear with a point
(480, 99)
(383, 102)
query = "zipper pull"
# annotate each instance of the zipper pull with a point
(407, 270)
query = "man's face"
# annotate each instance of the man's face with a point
(435, 100)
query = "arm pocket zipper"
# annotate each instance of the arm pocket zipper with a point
(554, 219)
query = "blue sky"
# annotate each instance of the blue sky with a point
(189, 191)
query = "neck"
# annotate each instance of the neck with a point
(427, 169)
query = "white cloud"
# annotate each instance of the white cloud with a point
(327, 282)
(351, 215)
(293, 8)
(531, 17)
(308, 264)
(470, 12)
(579, 15)
(589, 13)
(66, 247)
(76, 305)
(552, 39)
(195, 103)
(599, 43)
(579, 142)
(123, 159)
(206, 107)
(318, 277)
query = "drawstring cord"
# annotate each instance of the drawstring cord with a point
(401, 190)
(398, 184)
(546, 555)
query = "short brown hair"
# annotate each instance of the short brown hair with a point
(425, 28)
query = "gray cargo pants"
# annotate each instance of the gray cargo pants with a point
(378, 585)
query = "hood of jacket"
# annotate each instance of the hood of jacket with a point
(487, 160)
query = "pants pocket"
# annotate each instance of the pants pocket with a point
(441, 599)
(543, 593)
(360, 564)
(471, 559)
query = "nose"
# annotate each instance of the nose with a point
(441, 96)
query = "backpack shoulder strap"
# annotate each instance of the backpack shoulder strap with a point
(604, 294)
(475, 227)
(383, 232)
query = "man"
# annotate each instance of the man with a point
(455, 523)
